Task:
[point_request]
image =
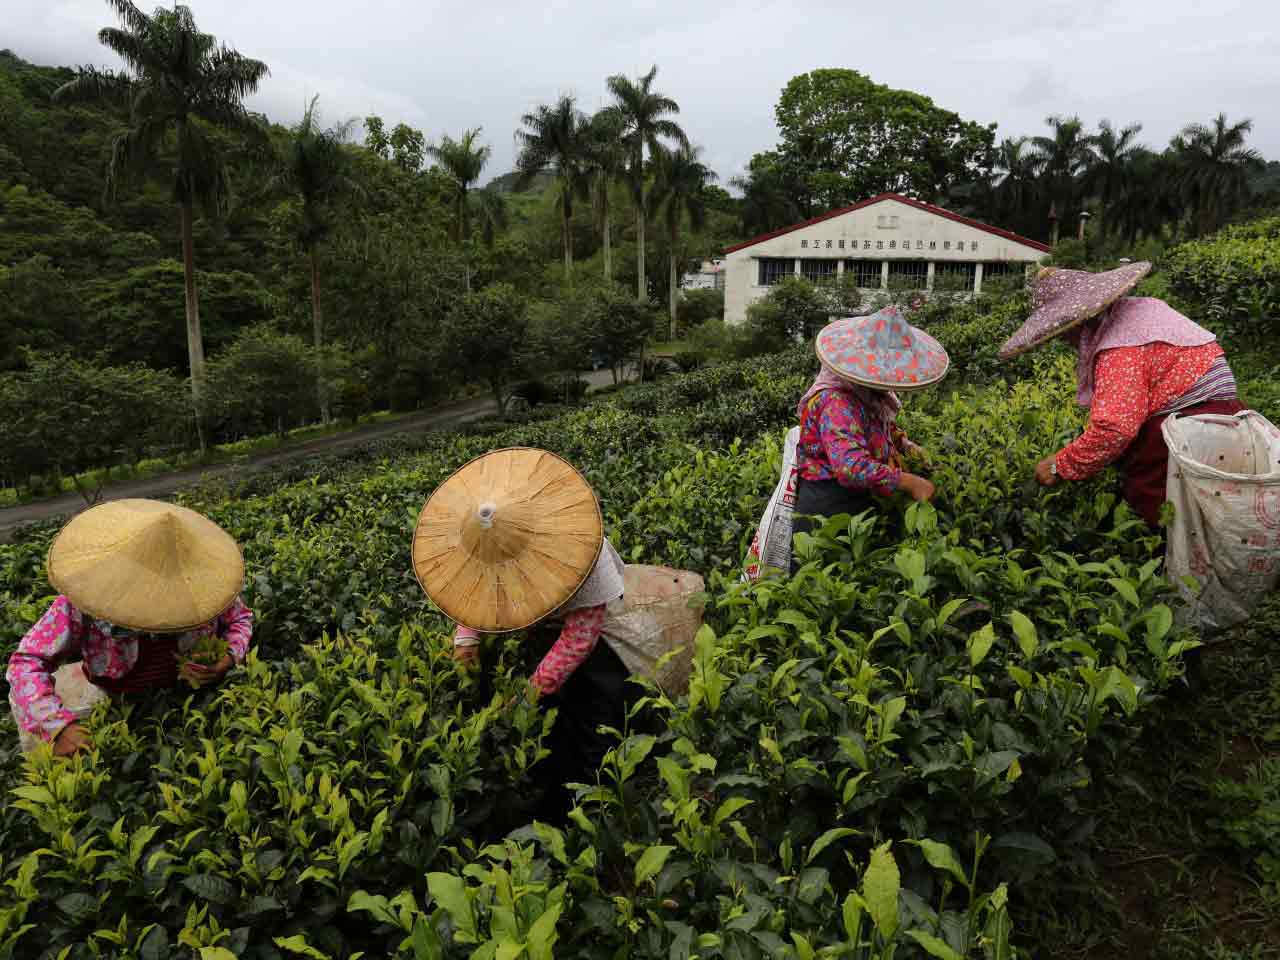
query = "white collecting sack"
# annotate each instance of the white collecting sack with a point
(1224, 484)
(76, 693)
(653, 618)
(771, 545)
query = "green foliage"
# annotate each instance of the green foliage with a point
(257, 385)
(486, 338)
(1234, 276)
(793, 309)
(64, 415)
(847, 138)
(1253, 819)
(697, 307)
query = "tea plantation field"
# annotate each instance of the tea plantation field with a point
(929, 743)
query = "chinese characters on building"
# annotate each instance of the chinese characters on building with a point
(958, 245)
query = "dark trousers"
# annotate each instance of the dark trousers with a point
(823, 498)
(596, 694)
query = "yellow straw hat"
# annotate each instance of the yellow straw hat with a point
(146, 565)
(507, 539)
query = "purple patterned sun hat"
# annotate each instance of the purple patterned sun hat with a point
(1063, 299)
(883, 352)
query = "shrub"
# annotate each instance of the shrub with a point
(1233, 276)
(696, 307)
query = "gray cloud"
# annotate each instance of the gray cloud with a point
(445, 65)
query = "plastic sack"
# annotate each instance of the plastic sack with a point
(771, 545)
(1224, 484)
(653, 618)
(76, 693)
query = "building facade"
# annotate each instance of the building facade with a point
(708, 276)
(889, 242)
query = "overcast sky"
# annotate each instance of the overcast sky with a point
(445, 65)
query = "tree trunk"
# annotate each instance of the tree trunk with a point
(673, 288)
(568, 244)
(641, 292)
(317, 329)
(465, 238)
(195, 342)
(608, 251)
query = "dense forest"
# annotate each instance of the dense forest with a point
(157, 245)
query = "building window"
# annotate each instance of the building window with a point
(865, 273)
(1003, 275)
(908, 274)
(818, 271)
(774, 269)
(953, 276)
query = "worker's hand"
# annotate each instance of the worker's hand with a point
(467, 656)
(1044, 472)
(529, 695)
(919, 452)
(71, 740)
(199, 675)
(919, 489)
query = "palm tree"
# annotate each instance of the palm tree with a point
(491, 207)
(178, 83)
(1148, 200)
(1061, 162)
(462, 161)
(555, 138)
(606, 160)
(768, 202)
(1016, 192)
(680, 190)
(647, 114)
(313, 164)
(1216, 165)
(1115, 154)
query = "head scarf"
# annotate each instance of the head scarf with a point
(1132, 322)
(883, 404)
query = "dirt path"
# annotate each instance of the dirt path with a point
(165, 485)
(162, 486)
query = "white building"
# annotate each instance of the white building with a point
(889, 241)
(709, 276)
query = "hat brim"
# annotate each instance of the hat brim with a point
(1070, 321)
(850, 376)
(97, 574)
(469, 607)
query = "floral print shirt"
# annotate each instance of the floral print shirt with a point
(1130, 385)
(840, 440)
(64, 633)
(578, 638)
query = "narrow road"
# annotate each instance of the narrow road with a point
(165, 485)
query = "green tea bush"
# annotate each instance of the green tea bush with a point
(873, 758)
(1234, 274)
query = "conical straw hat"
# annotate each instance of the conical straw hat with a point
(882, 351)
(507, 539)
(146, 565)
(1062, 300)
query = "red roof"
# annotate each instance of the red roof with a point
(918, 204)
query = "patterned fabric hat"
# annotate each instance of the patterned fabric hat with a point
(507, 539)
(146, 565)
(1062, 299)
(883, 352)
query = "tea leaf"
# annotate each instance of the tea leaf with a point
(728, 809)
(1025, 631)
(828, 838)
(933, 946)
(1126, 590)
(980, 642)
(451, 893)
(212, 888)
(297, 945)
(880, 885)
(650, 862)
(942, 857)
(1159, 622)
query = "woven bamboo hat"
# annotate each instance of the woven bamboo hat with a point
(1063, 299)
(146, 565)
(507, 539)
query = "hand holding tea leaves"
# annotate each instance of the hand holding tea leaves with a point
(207, 662)
(1044, 472)
(919, 489)
(71, 740)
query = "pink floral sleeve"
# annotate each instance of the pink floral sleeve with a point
(1122, 378)
(54, 638)
(578, 638)
(236, 627)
